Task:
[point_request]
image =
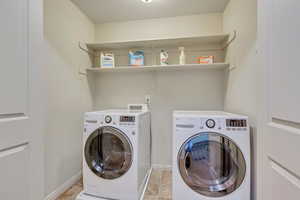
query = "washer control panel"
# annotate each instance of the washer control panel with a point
(236, 124)
(211, 124)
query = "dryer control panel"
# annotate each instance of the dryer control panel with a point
(122, 120)
(127, 118)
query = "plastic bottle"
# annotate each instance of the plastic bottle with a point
(164, 57)
(182, 56)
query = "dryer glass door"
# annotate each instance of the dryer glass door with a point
(108, 153)
(211, 164)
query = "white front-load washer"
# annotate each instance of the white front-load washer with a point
(211, 156)
(116, 154)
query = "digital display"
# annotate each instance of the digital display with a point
(127, 119)
(236, 123)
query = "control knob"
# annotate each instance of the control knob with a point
(108, 119)
(210, 123)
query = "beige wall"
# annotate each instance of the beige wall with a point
(183, 26)
(68, 94)
(242, 92)
(169, 91)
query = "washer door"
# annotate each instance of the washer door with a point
(211, 164)
(108, 153)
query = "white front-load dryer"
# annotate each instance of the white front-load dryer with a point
(211, 156)
(116, 154)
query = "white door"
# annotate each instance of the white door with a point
(281, 140)
(18, 142)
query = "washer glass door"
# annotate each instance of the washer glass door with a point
(211, 164)
(108, 152)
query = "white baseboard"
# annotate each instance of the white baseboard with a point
(61, 189)
(157, 166)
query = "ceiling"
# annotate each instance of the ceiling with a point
(102, 11)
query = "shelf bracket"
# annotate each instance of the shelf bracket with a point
(85, 50)
(231, 40)
(82, 73)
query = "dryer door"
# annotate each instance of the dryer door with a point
(211, 164)
(108, 153)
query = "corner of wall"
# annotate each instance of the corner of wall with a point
(68, 93)
(242, 80)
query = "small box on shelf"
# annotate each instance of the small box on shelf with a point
(136, 58)
(205, 60)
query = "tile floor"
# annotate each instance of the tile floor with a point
(72, 192)
(159, 187)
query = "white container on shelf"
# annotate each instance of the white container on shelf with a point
(107, 60)
(182, 56)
